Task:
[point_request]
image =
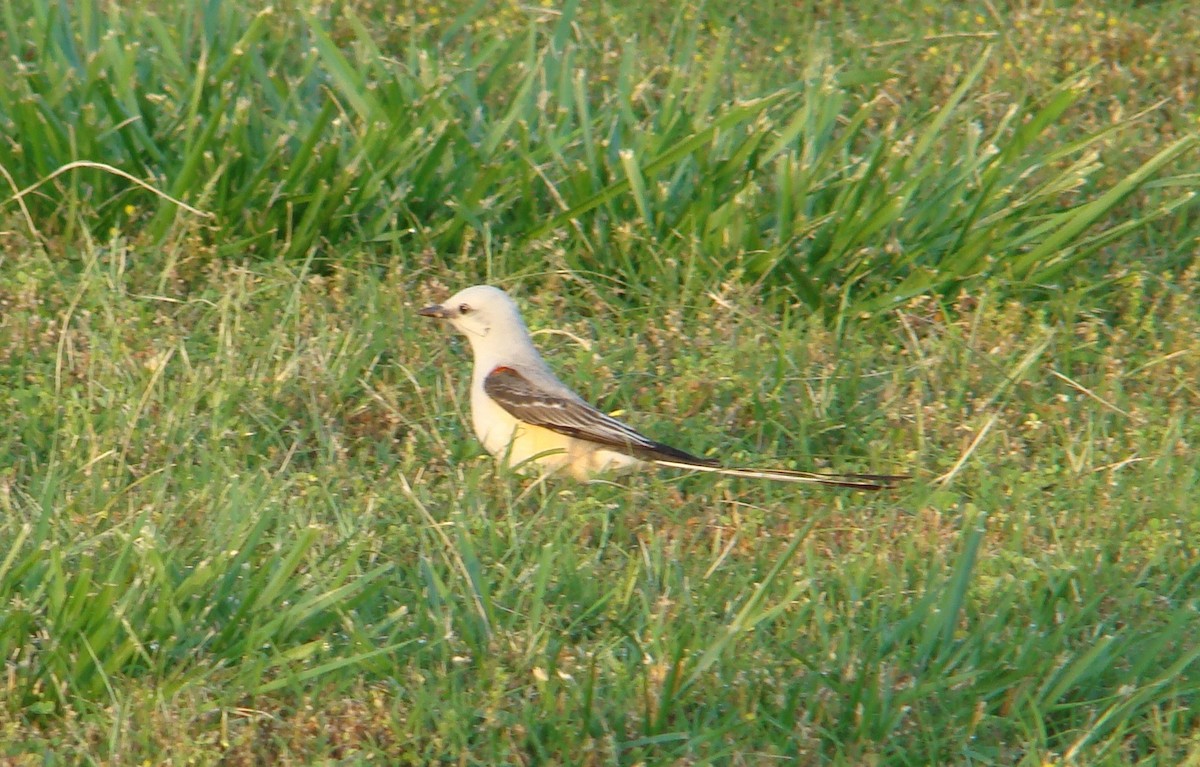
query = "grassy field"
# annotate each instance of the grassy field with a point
(242, 516)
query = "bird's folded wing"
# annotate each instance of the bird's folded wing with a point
(529, 403)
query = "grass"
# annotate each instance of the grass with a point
(243, 516)
(803, 181)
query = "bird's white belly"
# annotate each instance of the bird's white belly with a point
(512, 441)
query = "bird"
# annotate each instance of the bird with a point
(524, 415)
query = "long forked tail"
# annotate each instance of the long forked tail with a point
(856, 481)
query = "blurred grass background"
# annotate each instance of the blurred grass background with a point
(244, 522)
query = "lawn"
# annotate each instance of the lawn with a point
(243, 518)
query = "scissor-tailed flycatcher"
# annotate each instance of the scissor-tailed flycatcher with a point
(522, 412)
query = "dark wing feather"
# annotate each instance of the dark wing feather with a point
(575, 418)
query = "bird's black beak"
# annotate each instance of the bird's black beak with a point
(437, 311)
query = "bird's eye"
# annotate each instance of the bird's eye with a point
(464, 308)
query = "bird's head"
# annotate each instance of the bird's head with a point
(479, 311)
